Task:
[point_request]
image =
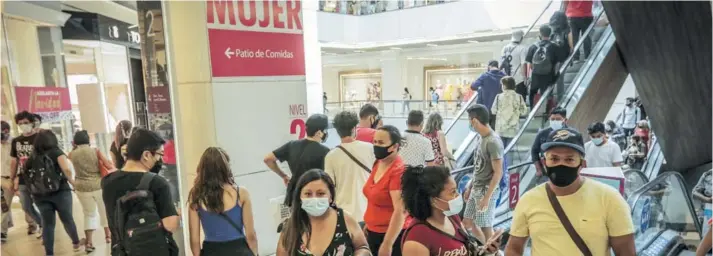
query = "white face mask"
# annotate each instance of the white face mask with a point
(455, 205)
(315, 206)
(556, 125)
(25, 128)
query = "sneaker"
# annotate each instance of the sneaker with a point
(3, 237)
(32, 229)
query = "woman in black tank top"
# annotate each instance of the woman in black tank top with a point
(317, 226)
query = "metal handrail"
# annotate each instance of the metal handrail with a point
(636, 195)
(467, 168)
(460, 113)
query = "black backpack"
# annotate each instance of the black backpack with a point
(138, 228)
(506, 60)
(542, 62)
(41, 176)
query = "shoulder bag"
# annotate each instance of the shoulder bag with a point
(367, 169)
(566, 223)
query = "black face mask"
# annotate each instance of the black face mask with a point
(561, 175)
(5, 136)
(381, 152)
(157, 167)
(324, 138)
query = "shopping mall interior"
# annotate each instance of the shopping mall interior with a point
(247, 76)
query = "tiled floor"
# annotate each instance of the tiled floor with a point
(21, 244)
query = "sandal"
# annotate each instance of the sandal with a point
(89, 248)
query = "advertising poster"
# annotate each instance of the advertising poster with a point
(52, 103)
(255, 38)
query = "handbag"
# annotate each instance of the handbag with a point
(566, 223)
(104, 170)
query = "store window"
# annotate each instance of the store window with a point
(32, 73)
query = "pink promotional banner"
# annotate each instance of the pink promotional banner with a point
(255, 38)
(42, 99)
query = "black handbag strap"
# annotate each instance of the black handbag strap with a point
(354, 159)
(566, 223)
(232, 223)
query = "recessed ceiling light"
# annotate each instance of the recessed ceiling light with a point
(358, 51)
(473, 41)
(432, 45)
(395, 48)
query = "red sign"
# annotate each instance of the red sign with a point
(159, 99)
(298, 126)
(255, 38)
(42, 99)
(514, 191)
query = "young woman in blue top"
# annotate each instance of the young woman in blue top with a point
(222, 209)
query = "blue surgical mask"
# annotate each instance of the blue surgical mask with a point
(455, 205)
(597, 141)
(556, 124)
(315, 206)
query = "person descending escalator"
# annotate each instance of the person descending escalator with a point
(586, 217)
(629, 116)
(558, 120)
(600, 151)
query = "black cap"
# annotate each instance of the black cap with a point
(493, 63)
(564, 137)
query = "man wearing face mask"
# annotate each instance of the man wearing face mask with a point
(629, 116)
(368, 120)
(600, 151)
(301, 155)
(144, 155)
(21, 148)
(558, 119)
(599, 215)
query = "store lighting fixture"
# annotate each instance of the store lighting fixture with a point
(432, 45)
(395, 48)
(473, 41)
(358, 51)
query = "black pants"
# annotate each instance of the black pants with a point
(628, 133)
(492, 121)
(579, 25)
(227, 248)
(539, 83)
(375, 239)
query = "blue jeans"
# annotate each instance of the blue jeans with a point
(27, 204)
(60, 202)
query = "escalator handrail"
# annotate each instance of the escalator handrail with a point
(638, 172)
(470, 168)
(636, 195)
(532, 25)
(550, 89)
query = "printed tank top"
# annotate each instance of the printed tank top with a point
(341, 244)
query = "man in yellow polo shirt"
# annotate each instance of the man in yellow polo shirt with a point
(597, 212)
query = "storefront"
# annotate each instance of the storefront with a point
(103, 63)
(32, 70)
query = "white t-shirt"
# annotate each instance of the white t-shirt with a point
(416, 149)
(349, 177)
(602, 156)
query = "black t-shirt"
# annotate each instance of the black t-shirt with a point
(555, 53)
(117, 184)
(116, 151)
(53, 154)
(21, 148)
(301, 155)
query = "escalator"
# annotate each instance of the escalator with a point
(665, 221)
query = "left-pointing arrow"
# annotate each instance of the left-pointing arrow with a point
(229, 53)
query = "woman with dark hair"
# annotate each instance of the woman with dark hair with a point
(317, 226)
(221, 208)
(87, 185)
(121, 136)
(431, 197)
(59, 201)
(384, 215)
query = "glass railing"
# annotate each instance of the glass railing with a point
(359, 8)
(398, 108)
(663, 204)
(635, 179)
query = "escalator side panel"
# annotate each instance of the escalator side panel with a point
(597, 99)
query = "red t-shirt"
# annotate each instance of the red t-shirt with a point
(579, 8)
(169, 153)
(365, 134)
(438, 242)
(379, 206)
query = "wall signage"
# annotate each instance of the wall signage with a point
(52, 103)
(255, 38)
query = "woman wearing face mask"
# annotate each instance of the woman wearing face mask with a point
(384, 216)
(222, 209)
(431, 198)
(317, 226)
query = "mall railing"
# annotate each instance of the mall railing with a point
(361, 8)
(398, 108)
(663, 204)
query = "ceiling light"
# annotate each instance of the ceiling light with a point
(473, 41)
(358, 51)
(432, 45)
(395, 48)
